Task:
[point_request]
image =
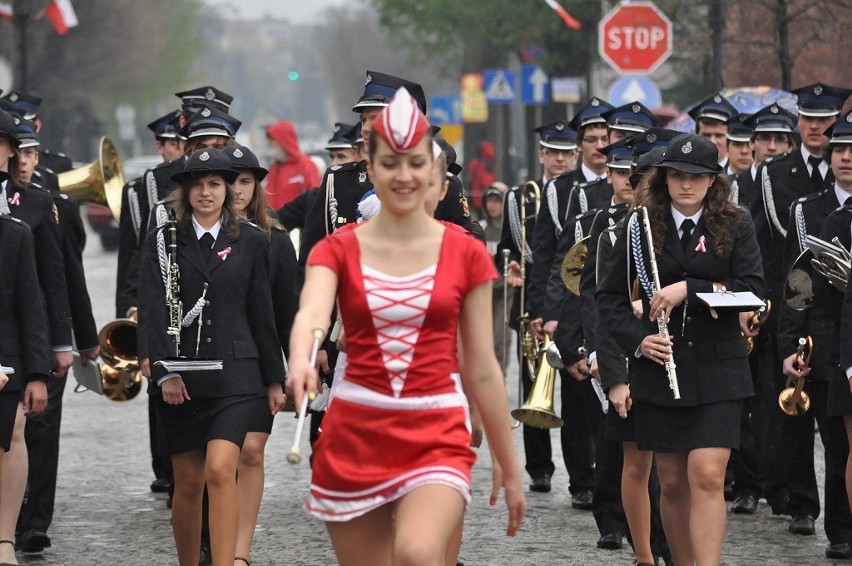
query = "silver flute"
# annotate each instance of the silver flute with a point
(173, 302)
(671, 372)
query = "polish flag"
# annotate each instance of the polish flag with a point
(61, 14)
(569, 20)
(6, 11)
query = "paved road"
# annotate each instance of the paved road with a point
(106, 515)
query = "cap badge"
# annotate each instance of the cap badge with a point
(210, 95)
(13, 97)
(204, 156)
(362, 177)
(369, 79)
(206, 112)
(818, 90)
(849, 118)
(773, 109)
(651, 138)
(596, 102)
(636, 108)
(687, 147)
(17, 121)
(237, 153)
(560, 126)
(717, 99)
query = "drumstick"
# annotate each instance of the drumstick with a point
(294, 456)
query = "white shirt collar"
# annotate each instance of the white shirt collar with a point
(753, 171)
(200, 231)
(589, 174)
(823, 166)
(4, 204)
(678, 218)
(841, 195)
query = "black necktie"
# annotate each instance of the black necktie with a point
(206, 242)
(816, 176)
(848, 201)
(687, 226)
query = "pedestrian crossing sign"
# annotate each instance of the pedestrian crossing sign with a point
(500, 86)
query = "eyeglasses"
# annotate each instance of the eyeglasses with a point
(769, 138)
(591, 140)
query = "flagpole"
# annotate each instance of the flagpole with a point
(21, 10)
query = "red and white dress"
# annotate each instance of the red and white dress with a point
(400, 419)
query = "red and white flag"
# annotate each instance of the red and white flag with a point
(569, 20)
(62, 15)
(6, 11)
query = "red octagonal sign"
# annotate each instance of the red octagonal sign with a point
(635, 38)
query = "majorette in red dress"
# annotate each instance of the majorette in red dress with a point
(399, 419)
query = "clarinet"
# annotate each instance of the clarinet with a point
(173, 302)
(655, 287)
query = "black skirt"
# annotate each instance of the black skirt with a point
(839, 396)
(681, 429)
(193, 424)
(623, 430)
(8, 410)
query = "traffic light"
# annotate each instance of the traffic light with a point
(293, 75)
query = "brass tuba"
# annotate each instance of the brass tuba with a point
(572, 265)
(792, 400)
(99, 182)
(538, 410)
(120, 375)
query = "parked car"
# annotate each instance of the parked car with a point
(100, 217)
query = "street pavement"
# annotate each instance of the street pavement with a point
(106, 515)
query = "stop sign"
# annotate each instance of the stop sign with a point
(635, 38)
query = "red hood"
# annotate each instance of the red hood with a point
(486, 150)
(283, 133)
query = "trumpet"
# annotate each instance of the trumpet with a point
(758, 318)
(792, 400)
(120, 376)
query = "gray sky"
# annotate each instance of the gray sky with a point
(297, 11)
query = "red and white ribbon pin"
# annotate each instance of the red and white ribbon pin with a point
(701, 247)
(223, 255)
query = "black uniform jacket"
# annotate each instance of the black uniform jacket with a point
(130, 225)
(710, 354)
(347, 183)
(35, 206)
(73, 242)
(237, 324)
(292, 215)
(782, 180)
(283, 273)
(845, 345)
(612, 363)
(825, 220)
(564, 304)
(23, 321)
(510, 239)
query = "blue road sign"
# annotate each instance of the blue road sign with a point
(445, 109)
(499, 86)
(535, 85)
(635, 88)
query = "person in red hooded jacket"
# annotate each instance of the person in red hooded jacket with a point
(292, 172)
(481, 172)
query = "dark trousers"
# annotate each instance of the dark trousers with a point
(774, 457)
(609, 461)
(804, 494)
(162, 465)
(42, 438)
(576, 435)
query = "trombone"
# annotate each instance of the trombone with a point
(792, 400)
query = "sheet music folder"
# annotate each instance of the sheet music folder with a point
(728, 300)
(178, 365)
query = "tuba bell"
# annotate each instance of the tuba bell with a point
(572, 265)
(120, 375)
(538, 410)
(99, 182)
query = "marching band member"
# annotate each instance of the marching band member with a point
(818, 215)
(222, 266)
(711, 117)
(703, 243)
(394, 452)
(250, 203)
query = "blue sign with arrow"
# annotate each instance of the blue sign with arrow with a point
(445, 109)
(535, 85)
(635, 88)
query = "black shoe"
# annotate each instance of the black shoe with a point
(611, 541)
(34, 541)
(841, 551)
(802, 525)
(205, 558)
(541, 484)
(582, 500)
(161, 485)
(744, 505)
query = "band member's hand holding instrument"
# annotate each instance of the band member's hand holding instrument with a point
(294, 456)
(792, 400)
